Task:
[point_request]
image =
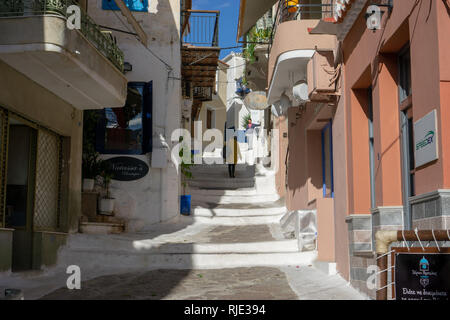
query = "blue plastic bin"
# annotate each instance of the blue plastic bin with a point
(185, 205)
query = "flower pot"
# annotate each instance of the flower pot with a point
(185, 205)
(88, 184)
(106, 206)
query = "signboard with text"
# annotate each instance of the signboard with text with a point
(128, 168)
(421, 275)
(425, 139)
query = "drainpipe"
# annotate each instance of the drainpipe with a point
(384, 238)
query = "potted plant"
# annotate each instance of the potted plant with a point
(106, 205)
(90, 169)
(186, 174)
(90, 157)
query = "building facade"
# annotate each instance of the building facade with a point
(49, 74)
(359, 100)
(150, 37)
(392, 115)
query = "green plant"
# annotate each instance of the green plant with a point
(246, 120)
(90, 164)
(185, 168)
(90, 158)
(107, 174)
(254, 37)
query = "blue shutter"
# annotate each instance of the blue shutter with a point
(147, 118)
(133, 5)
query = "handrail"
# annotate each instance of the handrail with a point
(89, 28)
(303, 11)
(200, 27)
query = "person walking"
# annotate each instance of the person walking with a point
(233, 155)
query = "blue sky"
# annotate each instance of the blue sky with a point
(229, 14)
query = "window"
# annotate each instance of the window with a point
(127, 130)
(404, 62)
(209, 115)
(410, 134)
(371, 149)
(327, 161)
(133, 5)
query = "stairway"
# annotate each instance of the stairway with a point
(233, 223)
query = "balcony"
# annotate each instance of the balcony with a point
(293, 44)
(83, 67)
(200, 53)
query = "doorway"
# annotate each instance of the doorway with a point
(20, 185)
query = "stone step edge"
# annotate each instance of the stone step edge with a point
(263, 247)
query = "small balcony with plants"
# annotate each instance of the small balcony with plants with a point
(293, 42)
(78, 62)
(256, 54)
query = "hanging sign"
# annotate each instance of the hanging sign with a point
(421, 275)
(128, 168)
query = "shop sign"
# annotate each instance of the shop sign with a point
(422, 275)
(425, 139)
(128, 168)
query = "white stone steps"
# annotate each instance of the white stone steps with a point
(152, 247)
(125, 260)
(236, 221)
(238, 209)
(233, 199)
(214, 183)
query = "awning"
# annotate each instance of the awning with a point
(249, 13)
(290, 68)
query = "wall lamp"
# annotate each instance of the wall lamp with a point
(127, 67)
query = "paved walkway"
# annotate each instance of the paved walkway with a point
(233, 250)
(257, 283)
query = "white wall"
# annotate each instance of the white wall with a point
(234, 102)
(153, 198)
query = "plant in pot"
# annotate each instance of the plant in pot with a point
(106, 205)
(91, 161)
(90, 171)
(186, 174)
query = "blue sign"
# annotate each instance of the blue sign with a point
(133, 5)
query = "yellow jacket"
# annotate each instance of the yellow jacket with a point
(233, 152)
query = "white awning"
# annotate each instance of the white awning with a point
(291, 67)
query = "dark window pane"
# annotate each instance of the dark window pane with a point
(405, 74)
(124, 125)
(127, 130)
(411, 143)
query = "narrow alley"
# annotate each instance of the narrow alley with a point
(231, 247)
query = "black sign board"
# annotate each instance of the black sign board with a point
(128, 168)
(421, 275)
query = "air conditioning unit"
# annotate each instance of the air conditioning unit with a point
(321, 71)
(186, 108)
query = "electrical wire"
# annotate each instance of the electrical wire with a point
(169, 67)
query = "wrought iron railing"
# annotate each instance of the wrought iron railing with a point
(200, 27)
(203, 93)
(104, 43)
(301, 10)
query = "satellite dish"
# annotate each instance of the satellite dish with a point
(276, 109)
(256, 100)
(280, 107)
(285, 103)
(300, 91)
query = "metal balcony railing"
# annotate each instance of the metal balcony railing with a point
(301, 10)
(104, 43)
(200, 28)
